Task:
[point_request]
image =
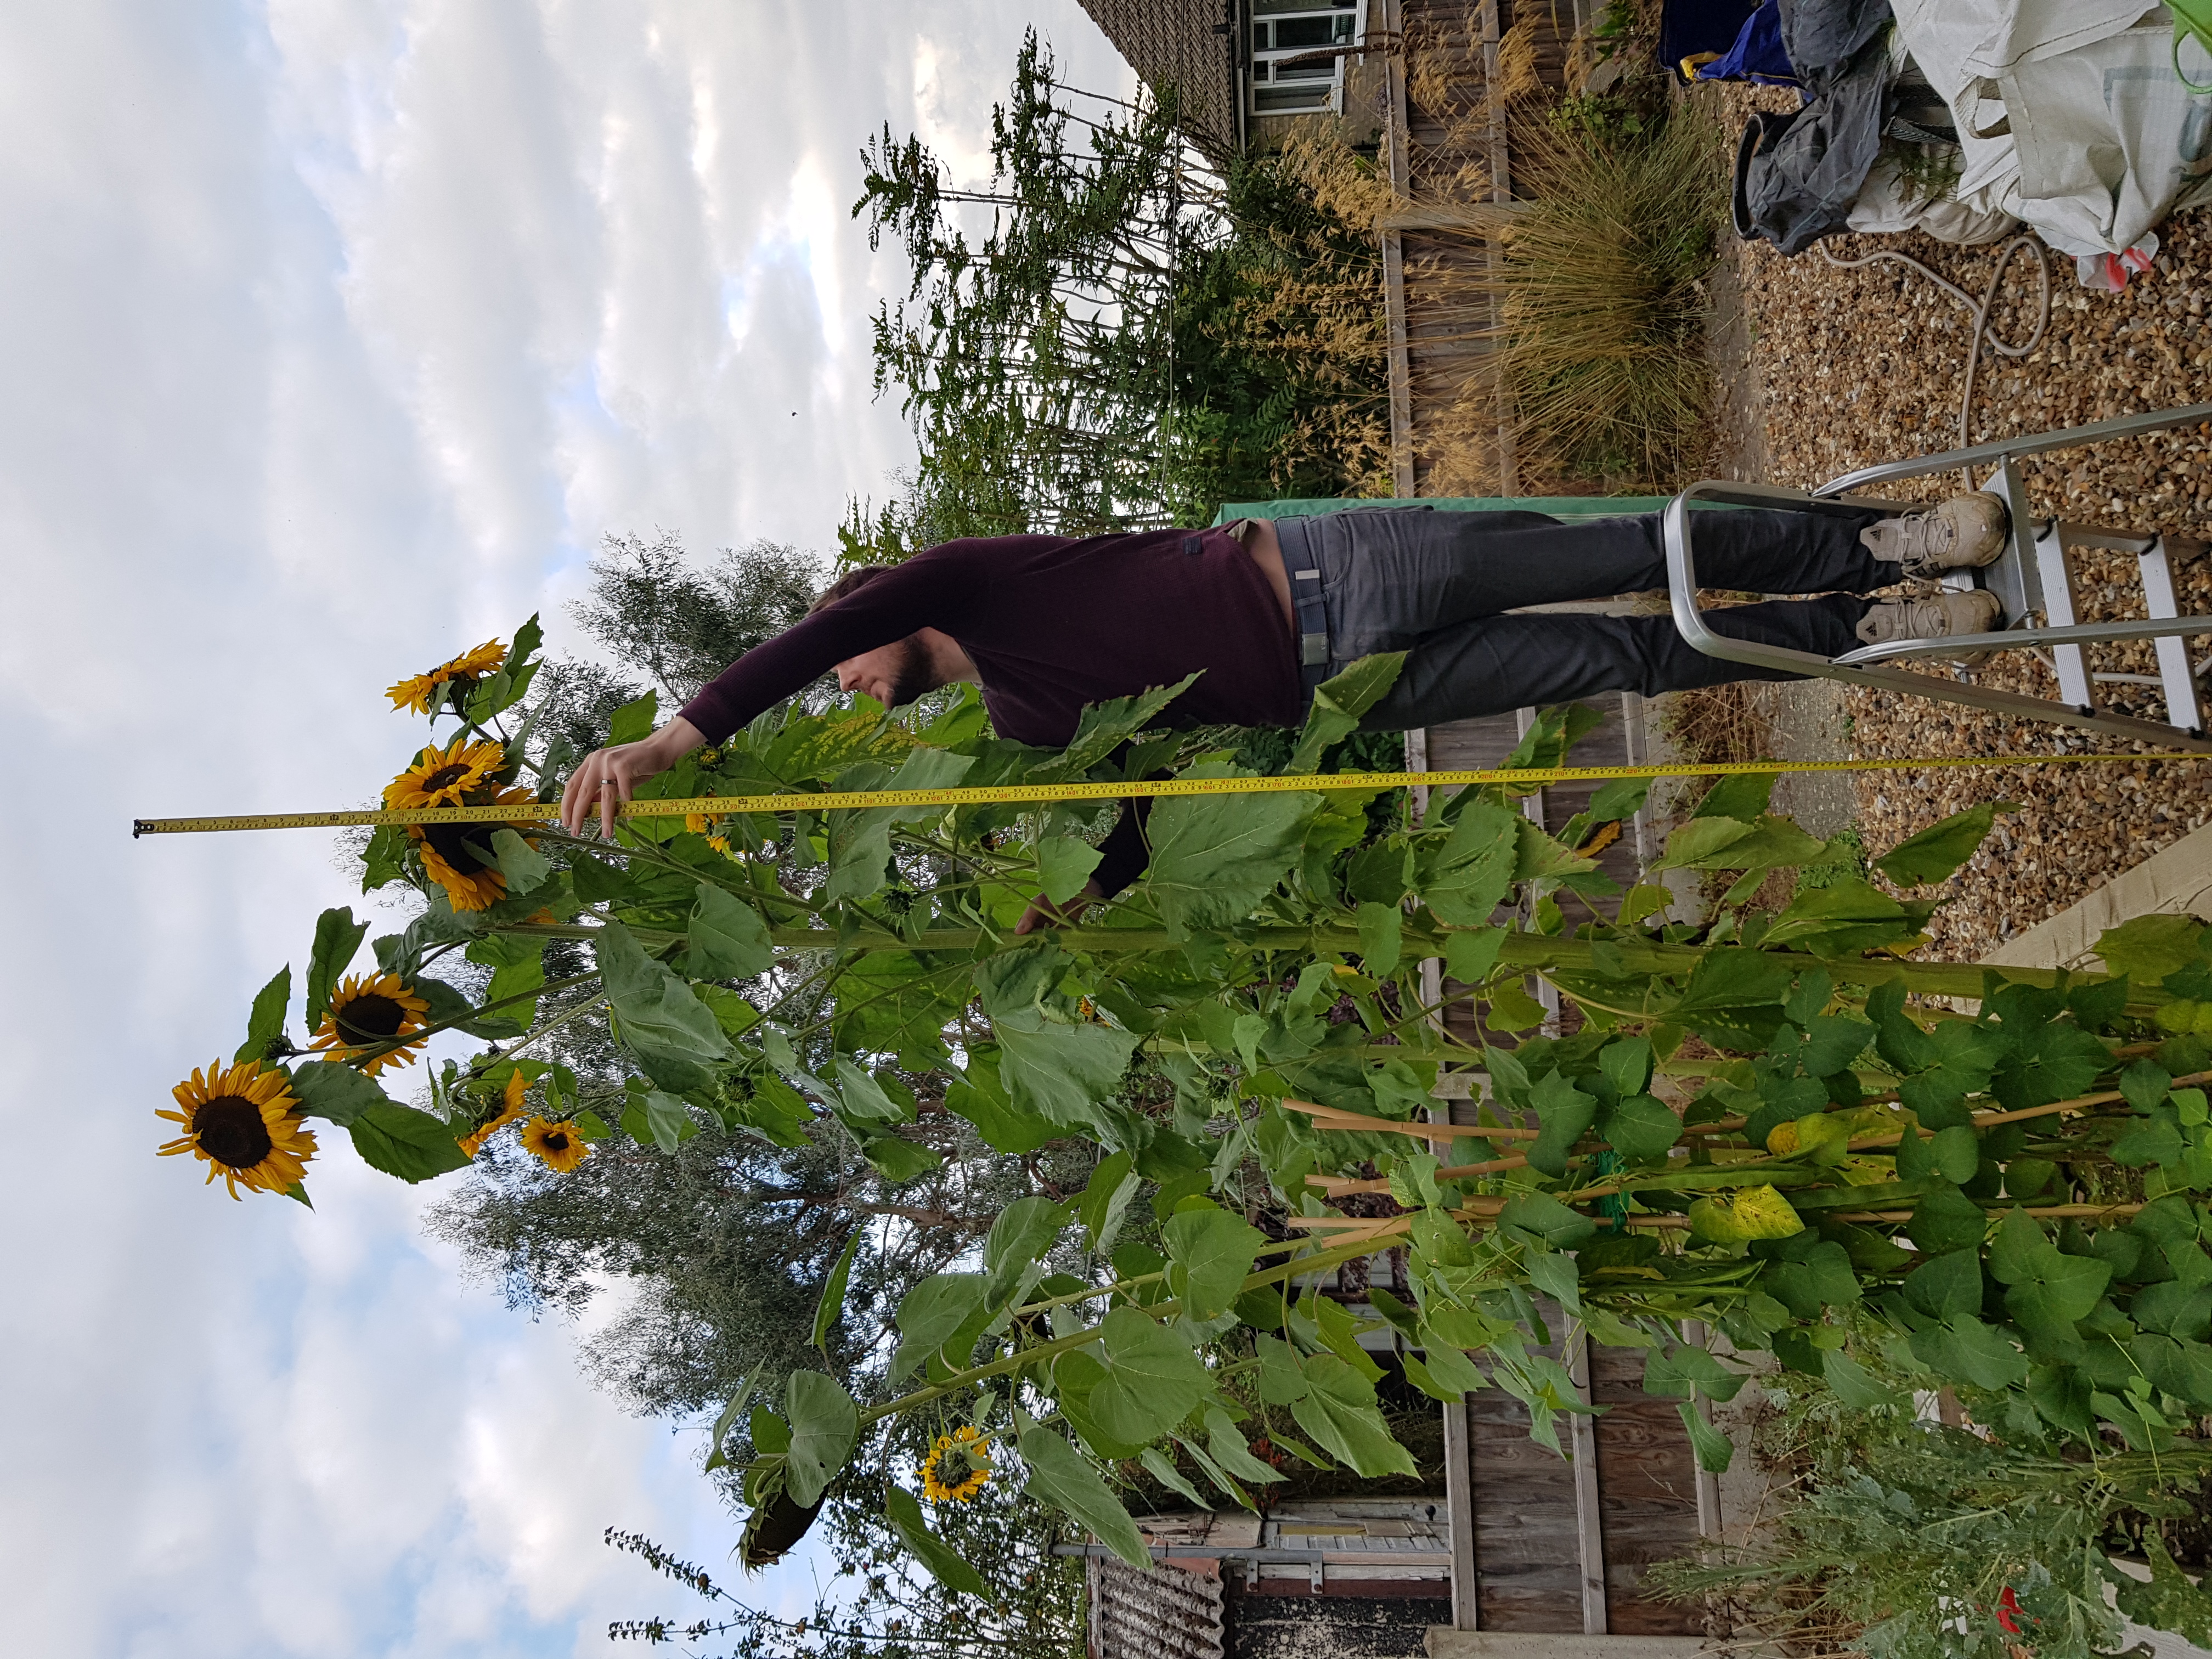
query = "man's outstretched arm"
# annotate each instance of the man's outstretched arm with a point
(609, 775)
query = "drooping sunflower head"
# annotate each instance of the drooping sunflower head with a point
(957, 1467)
(240, 1120)
(458, 857)
(442, 777)
(460, 675)
(510, 1109)
(560, 1146)
(368, 1011)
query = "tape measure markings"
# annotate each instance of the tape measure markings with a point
(1037, 793)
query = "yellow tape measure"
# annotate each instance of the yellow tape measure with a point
(1024, 794)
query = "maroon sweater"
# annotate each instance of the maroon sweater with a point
(1054, 624)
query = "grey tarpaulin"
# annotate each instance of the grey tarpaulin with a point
(1799, 183)
(1823, 36)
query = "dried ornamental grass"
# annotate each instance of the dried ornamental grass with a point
(1604, 307)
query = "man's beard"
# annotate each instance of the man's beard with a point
(913, 678)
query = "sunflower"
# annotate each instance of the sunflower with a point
(465, 670)
(442, 777)
(239, 1119)
(458, 856)
(510, 1108)
(368, 1011)
(961, 1453)
(561, 1146)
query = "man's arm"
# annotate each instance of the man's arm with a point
(1122, 857)
(927, 591)
(917, 594)
(609, 775)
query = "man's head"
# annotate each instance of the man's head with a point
(893, 674)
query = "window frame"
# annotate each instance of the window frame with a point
(1329, 92)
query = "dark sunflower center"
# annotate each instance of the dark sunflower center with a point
(370, 1016)
(446, 775)
(557, 1141)
(465, 846)
(230, 1131)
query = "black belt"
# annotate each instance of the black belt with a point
(1313, 628)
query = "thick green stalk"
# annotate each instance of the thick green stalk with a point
(1535, 952)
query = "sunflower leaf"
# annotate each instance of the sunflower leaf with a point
(527, 638)
(338, 1094)
(659, 1017)
(903, 1511)
(717, 1458)
(400, 1140)
(633, 721)
(833, 1290)
(267, 1023)
(448, 1004)
(727, 938)
(1061, 1476)
(384, 860)
(525, 868)
(824, 1424)
(337, 936)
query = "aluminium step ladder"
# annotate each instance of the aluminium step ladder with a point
(2034, 579)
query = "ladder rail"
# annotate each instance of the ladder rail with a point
(1682, 594)
(2021, 639)
(2003, 449)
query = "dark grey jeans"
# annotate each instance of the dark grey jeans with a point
(1437, 584)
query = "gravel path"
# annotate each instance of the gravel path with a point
(1853, 366)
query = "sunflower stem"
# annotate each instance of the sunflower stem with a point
(1313, 1262)
(654, 856)
(552, 1024)
(361, 1060)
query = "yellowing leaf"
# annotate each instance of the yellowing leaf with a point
(1750, 1212)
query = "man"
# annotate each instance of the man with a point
(1266, 611)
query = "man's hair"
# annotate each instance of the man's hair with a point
(851, 582)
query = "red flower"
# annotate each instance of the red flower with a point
(2008, 1605)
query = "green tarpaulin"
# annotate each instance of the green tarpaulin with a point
(1559, 506)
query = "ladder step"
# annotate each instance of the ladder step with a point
(2061, 610)
(2185, 706)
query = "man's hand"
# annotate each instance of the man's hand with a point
(608, 776)
(1043, 913)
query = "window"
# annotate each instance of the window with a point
(1297, 54)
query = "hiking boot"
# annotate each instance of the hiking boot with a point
(1977, 611)
(1963, 533)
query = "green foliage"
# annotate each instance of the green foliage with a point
(1144, 332)
(337, 937)
(1902, 1537)
(1941, 848)
(894, 1031)
(265, 1024)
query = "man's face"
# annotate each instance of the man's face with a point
(893, 674)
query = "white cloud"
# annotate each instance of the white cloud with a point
(336, 333)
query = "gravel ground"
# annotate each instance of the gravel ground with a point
(1853, 366)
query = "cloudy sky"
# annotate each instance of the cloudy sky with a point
(333, 335)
